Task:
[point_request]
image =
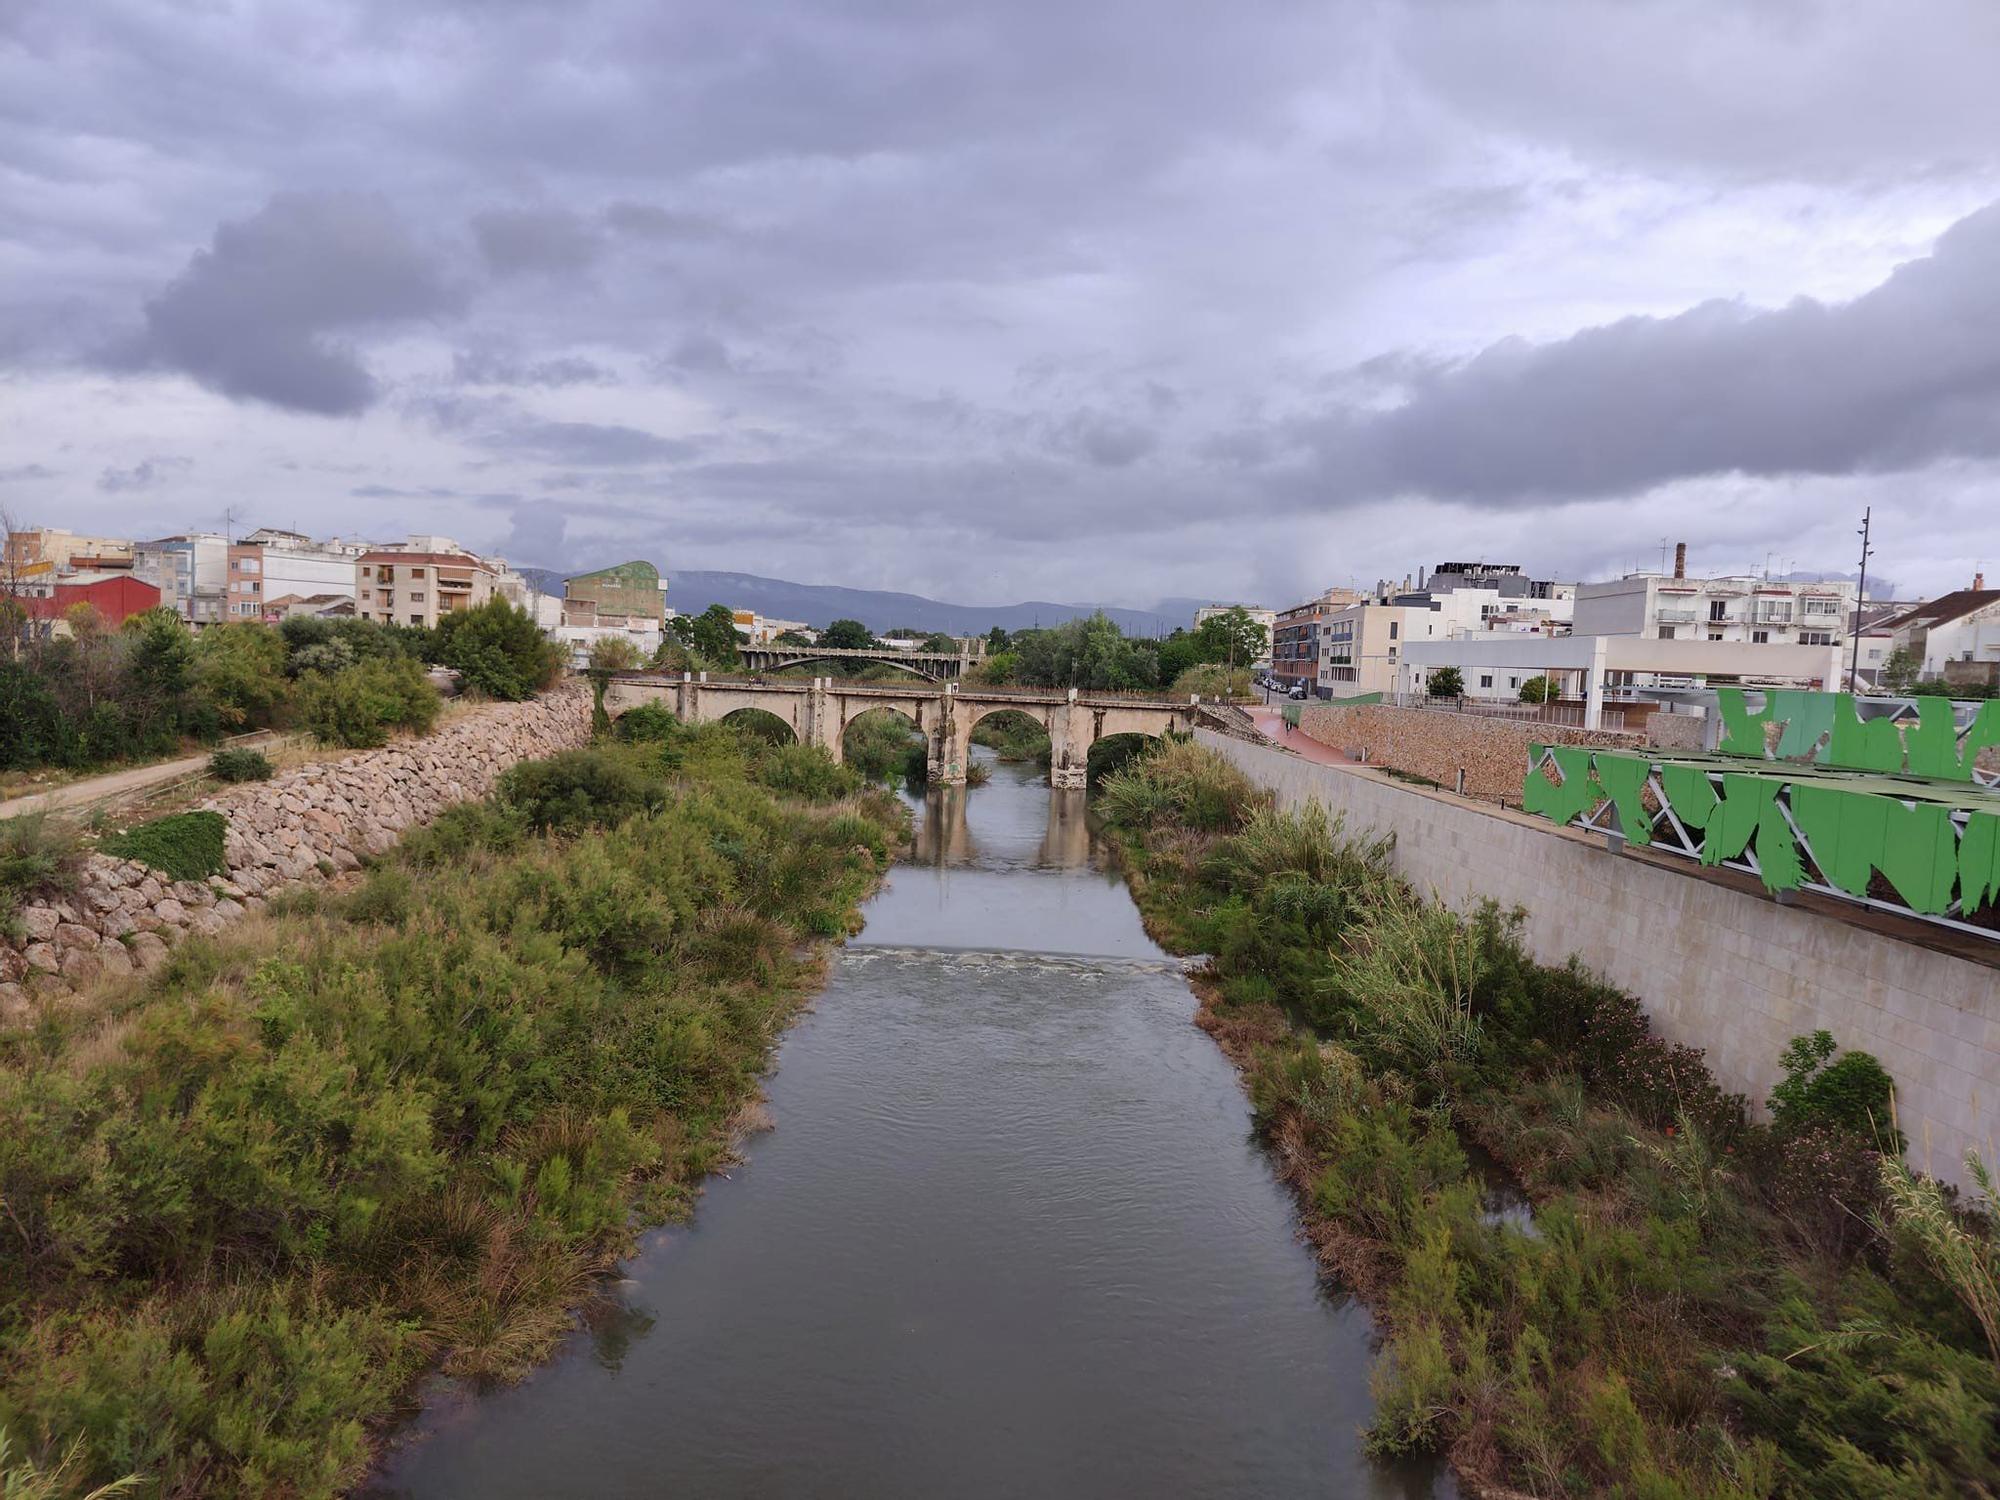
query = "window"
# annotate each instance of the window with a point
(416, 619)
(1718, 611)
(1815, 637)
(416, 572)
(1715, 635)
(1513, 682)
(416, 596)
(1666, 632)
(1760, 637)
(1486, 679)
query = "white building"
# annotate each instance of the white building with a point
(198, 564)
(1758, 611)
(1590, 668)
(270, 564)
(1955, 637)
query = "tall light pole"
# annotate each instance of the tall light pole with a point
(1860, 598)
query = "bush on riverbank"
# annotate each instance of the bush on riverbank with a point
(1703, 1307)
(403, 1128)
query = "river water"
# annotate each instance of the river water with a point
(1010, 1236)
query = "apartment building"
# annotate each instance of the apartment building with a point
(1295, 637)
(395, 586)
(269, 564)
(1760, 611)
(191, 572)
(1363, 645)
(61, 549)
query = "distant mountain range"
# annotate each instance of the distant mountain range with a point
(819, 604)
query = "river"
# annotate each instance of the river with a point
(1010, 1236)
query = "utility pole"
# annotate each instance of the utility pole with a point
(1860, 598)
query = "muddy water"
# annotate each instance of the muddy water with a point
(1009, 1237)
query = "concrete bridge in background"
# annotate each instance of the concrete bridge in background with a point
(818, 710)
(937, 666)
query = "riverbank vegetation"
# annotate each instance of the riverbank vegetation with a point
(1700, 1306)
(408, 1125)
(95, 697)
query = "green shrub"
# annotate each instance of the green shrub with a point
(805, 771)
(581, 789)
(1851, 1092)
(38, 856)
(240, 765)
(649, 722)
(187, 846)
(359, 705)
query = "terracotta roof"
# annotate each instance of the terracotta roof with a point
(1943, 609)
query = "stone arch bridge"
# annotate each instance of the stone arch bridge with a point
(819, 709)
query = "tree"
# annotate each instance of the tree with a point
(1901, 669)
(848, 635)
(614, 653)
(498, 650)
(791, 638)
(1539, 690)
(938, 641)
(996, 641)
(1447, 682)
(1232, 637)
(712, 635)
(240, 668)
(1088, 653)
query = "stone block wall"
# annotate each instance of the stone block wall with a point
(1723, 969)
(295, 827)
(1436, 743)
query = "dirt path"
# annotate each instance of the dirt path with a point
(117, 783)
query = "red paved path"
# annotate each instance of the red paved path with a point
(1271, 724)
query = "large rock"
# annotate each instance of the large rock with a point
(40, 923)
(42, 957)
(147, 951)
(80, 967)
(170, 911)
(75, 935)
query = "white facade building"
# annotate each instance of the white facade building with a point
(1756, 611)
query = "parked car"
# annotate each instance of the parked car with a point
(1298, 690)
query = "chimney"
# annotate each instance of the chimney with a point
(1979, 580)
(1680, 559)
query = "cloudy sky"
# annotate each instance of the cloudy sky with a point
(1077, 299)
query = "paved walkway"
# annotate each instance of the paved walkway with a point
(1271, 724)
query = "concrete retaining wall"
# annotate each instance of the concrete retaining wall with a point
(293, 828)
(1718, 968)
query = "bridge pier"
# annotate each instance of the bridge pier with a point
(1071, 732)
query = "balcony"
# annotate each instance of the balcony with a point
(1675, 616)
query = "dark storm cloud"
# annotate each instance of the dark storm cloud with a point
(525, 240)
(258, 315)
(1900, 377)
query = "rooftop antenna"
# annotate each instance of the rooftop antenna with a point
(1860, 597)
(1663, 554)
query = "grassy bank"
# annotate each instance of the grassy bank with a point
(1701, 1307)
(408, 1126)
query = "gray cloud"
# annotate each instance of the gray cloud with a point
(519, 241)
(486, 367)
(1900, 377)
(257, 314)
(143, 475)
(1019, 297)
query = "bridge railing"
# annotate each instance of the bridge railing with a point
(907, 687)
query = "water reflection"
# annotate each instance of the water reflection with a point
(944, 833)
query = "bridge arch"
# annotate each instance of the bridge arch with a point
(1043, 714)
(762, 721)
